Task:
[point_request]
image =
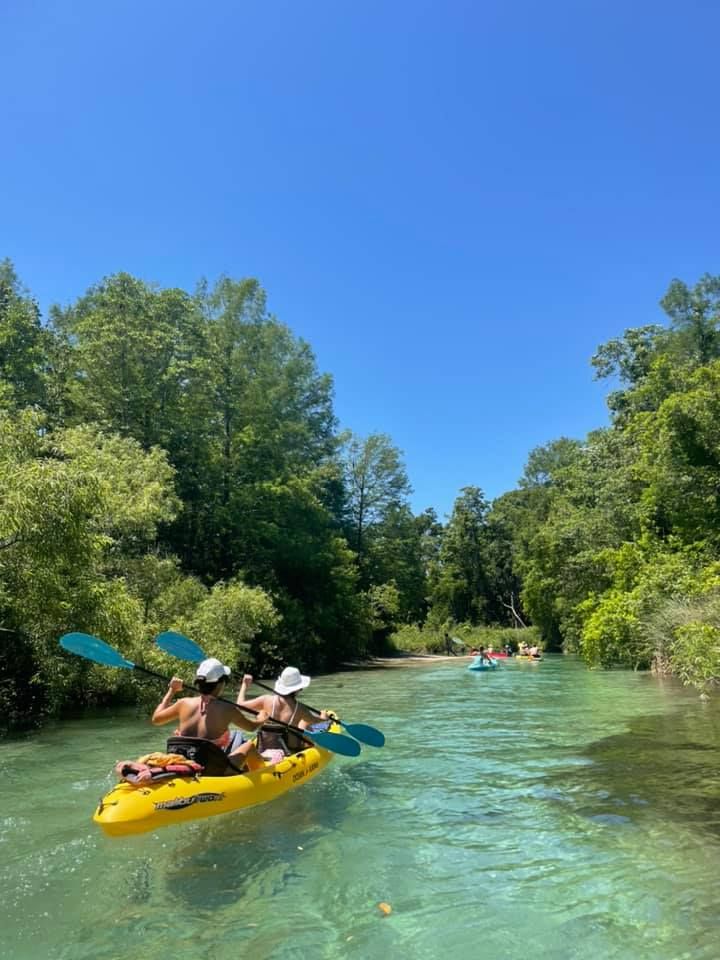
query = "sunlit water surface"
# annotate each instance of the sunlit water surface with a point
(542, 810)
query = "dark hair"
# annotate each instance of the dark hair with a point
(208, 686)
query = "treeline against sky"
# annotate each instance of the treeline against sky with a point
(616, 538)
(171, 460)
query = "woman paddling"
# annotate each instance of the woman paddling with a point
(283, 707)
(208, 718)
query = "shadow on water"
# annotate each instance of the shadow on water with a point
(260, 850)
(667, 763)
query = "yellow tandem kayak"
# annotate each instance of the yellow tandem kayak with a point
(130, 809)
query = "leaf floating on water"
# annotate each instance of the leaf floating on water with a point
(385, 908)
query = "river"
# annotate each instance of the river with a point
(542, 810)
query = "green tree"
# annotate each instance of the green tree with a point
(461, 588)
(397, 555)
(24, 345)
(679, 447)
(74, 502)
(694, 314)
(592, 504)
(231, 621)
(376, 484)
(648, 360)
(263, 413)
(131, 348)
(303, 561)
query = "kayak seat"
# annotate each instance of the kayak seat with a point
(209, 755)
(276, 736)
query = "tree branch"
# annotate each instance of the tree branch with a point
(511, 607)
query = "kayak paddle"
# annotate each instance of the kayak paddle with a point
(184, 648)
(92, 648)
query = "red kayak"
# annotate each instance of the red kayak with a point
(497, 656)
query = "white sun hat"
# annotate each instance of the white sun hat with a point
(212, 670)
(291, 680)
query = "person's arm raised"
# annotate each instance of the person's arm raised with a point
(244, 684)
(166, 710)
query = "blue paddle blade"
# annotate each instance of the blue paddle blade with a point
(365, 733)
(335, 742)
(180, 646)
(95, 649)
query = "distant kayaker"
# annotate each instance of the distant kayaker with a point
(282, 706)
(206, 716)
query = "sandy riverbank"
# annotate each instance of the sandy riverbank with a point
(402, 660)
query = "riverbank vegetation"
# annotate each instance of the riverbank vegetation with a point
(411, 638)
(171, 459)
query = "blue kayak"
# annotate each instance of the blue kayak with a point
(480, 664)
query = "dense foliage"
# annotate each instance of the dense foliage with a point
(172, 460)
(617, 539)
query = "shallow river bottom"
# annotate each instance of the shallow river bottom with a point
(540, 810)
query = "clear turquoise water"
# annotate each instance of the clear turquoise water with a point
(541, 810)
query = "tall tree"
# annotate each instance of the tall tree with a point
(649, 360)
(694, 314)
(24, 344)
(376, 484)
(268, 418)
(130, 348)
(462, 587)
(396, 554)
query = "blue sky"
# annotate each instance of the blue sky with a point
(453, 202)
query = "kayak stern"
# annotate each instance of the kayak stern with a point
(128, 809)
